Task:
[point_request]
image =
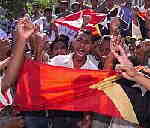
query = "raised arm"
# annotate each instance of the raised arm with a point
(24, 29)
(127, 70)
(131, 73)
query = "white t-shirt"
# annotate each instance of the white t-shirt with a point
(5, 99)
(67, 61)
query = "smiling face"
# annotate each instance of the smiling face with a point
(147, 4)
(94, 3)
(48, 14)
(114, 25)
(59, 48)
(82, 44)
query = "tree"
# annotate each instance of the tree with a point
(13, 6)
(46, 3)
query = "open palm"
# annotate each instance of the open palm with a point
(118, 51)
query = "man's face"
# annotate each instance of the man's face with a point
(48, 14)
(82, 44)
(76, 8)
(35, 9)
(63, 7)
(109, 4)
(59, 49)
(147, 3)
(148, 15)
(94, 3)
(81, 2)
(114, 25)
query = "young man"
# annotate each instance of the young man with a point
(128, 71)
(80, 59)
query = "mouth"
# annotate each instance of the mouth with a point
(80, 52)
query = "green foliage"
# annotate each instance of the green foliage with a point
(45, 3)
(14, 6)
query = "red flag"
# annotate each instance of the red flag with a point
(44, 87)
(73, 22)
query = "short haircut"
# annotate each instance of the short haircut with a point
(89, 33)
(93, 38)
(56, 42)
(48, 10)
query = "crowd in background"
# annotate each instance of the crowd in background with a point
(46, 43)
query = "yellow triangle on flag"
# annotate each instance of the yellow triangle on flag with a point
(97, 31)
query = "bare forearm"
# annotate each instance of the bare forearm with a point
(108, 64)
(139, 78)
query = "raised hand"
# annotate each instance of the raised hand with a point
(24, 29)
(39, 40)
(38, 44)
(119, 52)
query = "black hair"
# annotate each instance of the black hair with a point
(64, 38)
(106, 38)
(89, 33)
(96, 37)
(48, 10)
(94, 0)
(55, 42)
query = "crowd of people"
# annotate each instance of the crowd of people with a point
(35, 36)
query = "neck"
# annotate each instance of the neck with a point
(78, 61)
(79, 58)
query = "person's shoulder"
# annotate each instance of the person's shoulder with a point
(92, 59)
(59, 60)
(61, 56)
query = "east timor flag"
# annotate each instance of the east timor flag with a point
(44, 87)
